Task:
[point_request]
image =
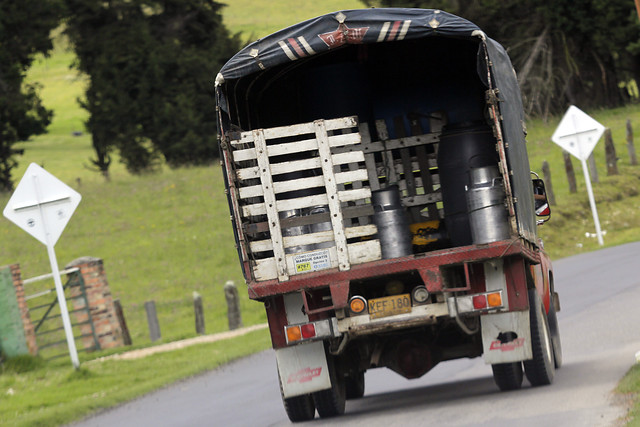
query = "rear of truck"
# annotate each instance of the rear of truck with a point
(382, 203)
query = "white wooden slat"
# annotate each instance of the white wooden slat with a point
(294, 166)
(248, 173)
(303, 128)
(261, 245)
(362, 252)
(327, 161)
(243, 155)
(285, 205)
(360, 231)
(297, 129)
(344, 140)
(279, 168)
(297, 147)
(291, 241)
(352, 176)
(405, 142)
(312, 144)
(252, 191)
(283, 186)
(265, 269)
(245, 138)
(292, 147)
(341, 123)
(352, 195)
(303, 183)
(311, 238)
(297, 165)
(270, 205)
(348, 157)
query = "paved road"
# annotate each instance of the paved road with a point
(600, 297)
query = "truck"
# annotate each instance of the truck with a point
(382, 203)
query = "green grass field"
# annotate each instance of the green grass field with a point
(163, 236)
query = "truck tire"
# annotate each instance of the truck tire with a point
(555, 335)
(298, 408)
(541, 369)
(331, 402)
(355, 386)
(508, 376)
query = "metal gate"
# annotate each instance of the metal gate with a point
(44, 311)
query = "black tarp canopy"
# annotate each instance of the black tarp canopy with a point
(373, 26)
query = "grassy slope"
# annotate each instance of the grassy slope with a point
(164, 236)
(617, 198)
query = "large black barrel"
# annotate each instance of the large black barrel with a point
(462, 146)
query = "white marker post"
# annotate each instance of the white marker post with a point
(578, 133)
(42, 206)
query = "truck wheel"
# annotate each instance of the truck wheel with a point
(539, 370)
(331, 402)
(355, 386)
(299, 408)
(508, 376)
(555, 335)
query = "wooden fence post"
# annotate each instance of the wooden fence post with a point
(571, 175)
(152, 319)
(126, 337)
(547, 181)
(610, 153)
(233, 305)
(593, 171)
(199, 312)
(630, 147)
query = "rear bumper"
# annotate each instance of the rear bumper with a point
(420, 315)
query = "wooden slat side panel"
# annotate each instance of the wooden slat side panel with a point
(335, 152)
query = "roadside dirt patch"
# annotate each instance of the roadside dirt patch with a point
(176, 345)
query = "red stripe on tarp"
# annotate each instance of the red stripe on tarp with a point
(294, 44)
(394, 30)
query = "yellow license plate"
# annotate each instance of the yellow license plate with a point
(389, 306)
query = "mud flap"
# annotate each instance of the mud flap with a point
(303, 369)
(506, 337)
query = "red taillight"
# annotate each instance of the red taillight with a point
(308, 330)
(479, 302)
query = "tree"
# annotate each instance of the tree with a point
(151, 65)
(25, 26)
(565, 51)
